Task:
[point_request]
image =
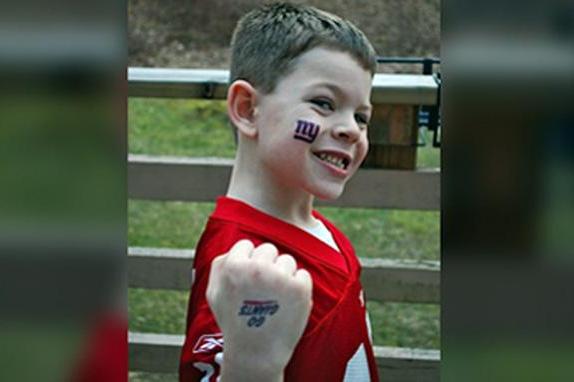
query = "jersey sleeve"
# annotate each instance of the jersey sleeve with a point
(202, 353)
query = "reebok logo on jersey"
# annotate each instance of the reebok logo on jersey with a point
(208, 343)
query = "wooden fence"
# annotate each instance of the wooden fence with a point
(175, 178)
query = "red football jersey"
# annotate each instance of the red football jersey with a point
(335, 345)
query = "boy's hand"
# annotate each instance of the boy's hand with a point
(261, 303)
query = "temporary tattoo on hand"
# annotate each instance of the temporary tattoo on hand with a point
(257, 310)
(306, 131)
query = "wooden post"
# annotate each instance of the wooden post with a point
(393, 135)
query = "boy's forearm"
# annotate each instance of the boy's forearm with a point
(238, 367)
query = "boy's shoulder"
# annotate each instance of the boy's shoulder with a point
(233, 220)
(227, 224)
(341, 238)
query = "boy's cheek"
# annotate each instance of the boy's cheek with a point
(362, 151)
(306, 131)
(367, 148)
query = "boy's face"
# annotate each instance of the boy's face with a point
(313, 127)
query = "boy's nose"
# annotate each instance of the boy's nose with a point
(348, 131)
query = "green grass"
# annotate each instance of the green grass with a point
(157, 311)
(199, 128)
(166, 224)
(428, 156)
(179, 127)
(405, 325)
(393, 234)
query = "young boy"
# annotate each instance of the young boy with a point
(276, 294)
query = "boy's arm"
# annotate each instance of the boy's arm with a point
(261, 303)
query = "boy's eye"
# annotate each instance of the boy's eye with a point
(362, 120)
(323, 103)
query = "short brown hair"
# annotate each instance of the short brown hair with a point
(268, 39)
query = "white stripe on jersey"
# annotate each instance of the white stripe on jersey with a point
(206, 368)
(358, 368)
(369, 329)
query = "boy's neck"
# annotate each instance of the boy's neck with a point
(252, 184)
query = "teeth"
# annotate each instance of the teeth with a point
(337, 161)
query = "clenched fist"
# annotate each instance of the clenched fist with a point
(261, 303)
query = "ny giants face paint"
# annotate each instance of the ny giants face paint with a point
(306, 131)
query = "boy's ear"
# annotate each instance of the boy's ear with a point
(241, 107)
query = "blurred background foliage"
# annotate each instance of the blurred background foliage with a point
(196, 33)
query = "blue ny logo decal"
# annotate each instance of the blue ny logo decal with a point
(306, 131)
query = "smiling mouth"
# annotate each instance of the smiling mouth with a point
(333, 159)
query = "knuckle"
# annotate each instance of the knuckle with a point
(267, 248)
(268, 245)
(304, 279)
(241, 247)
(245, 244)
(231, 263)
(295, 284)
(288, 257)
(236, 264)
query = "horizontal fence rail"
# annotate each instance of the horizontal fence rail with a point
(159, 353)
(383, 279)
(413, 89)
(204, 179)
